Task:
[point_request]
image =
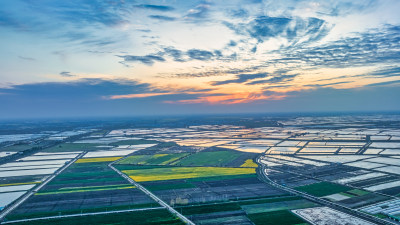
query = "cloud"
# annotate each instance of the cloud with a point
(293, 29)
(232, 43)
(395, 83)
(228, 99)
(147, 59)
(200, 54)
(174, 53)
(241, 78)
(362, 49)
(199, 12)
(162, 8)
(67, 74)
(83, 97)
(390, 71)
(163, 18)
(178, 56)
(275, 79)
(26, 58)
(265, 27)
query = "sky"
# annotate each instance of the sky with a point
(127, 58)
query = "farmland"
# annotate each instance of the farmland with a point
(84, 187)
(156, 159)
(218, 158)
(172, 173)
(283, 217)
(322, 189)
(152, 217)
(211, 174)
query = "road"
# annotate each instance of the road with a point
(81, 214)
(263, 175)
(151, 195)
(31, 192)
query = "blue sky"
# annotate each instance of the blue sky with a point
(121, 58)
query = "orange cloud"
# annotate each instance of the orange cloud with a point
(235, 98)
(143, 95)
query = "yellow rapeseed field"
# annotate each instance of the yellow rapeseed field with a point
(103, 159)
(249, 163)
(172, 173)
(13, 184)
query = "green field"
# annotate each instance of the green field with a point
(218, 158)
(278, 205)
(281, 217)
(188, 183)
(269, 200)
(172, 173)
(84, 173)
(148, 217)
(323, 188)
(157, 159)
(357, 192)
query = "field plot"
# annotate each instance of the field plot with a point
(4, 154)
(171, 173)
(12, 188)
(283, 217)
(70, 147)
(359, 178)
(322, 189)
(388, 208)
(156, 159)
(7, 198)
(383, 186)
(83, 187)
(218, 158)
(39, 156)
(25, 173)
(101, 159)
(246, 211)
(249, 163)
(147, 217)
(275, 206)
(390, 169)
(328, 216)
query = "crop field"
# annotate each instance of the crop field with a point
(87, 189)
(207, 172)
(102, 159)
(147, 217)
(171, 173)
(83, 187)
(238, 211)
(217, 158)
(249, 163)
(325, 215)
(281, 217)
(322, 189)
(156, 159)
(275, 206)
(206, 189)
